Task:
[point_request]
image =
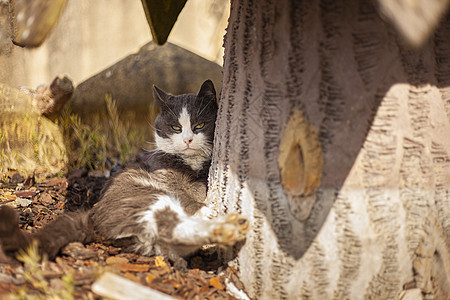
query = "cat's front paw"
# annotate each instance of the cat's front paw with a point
(207, 213)
(240, 222)
(232, 230)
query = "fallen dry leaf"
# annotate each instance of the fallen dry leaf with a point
(78, 251)
(159, 261)
(90, 263)
(132, 277)
(215, 282)
(10, 196)
(115, 260)
(133, 267)
(149, 278)
(25, 194)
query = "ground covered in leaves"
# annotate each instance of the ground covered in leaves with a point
(72, 274)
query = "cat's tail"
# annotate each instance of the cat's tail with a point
(67, 228)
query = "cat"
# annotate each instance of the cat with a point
(157, 209)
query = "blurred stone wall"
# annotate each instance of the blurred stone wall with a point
(93, 35)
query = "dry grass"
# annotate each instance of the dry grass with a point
(113, 141)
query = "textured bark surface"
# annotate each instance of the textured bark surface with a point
(374, 118)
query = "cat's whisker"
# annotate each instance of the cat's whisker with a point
(206, 149)
(152, 127)
(204, 107)
(168, 107)
(171, 111)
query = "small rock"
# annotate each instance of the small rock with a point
(46, 199)
(78, 251)
(23, 202)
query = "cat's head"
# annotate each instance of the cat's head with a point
(185, 125)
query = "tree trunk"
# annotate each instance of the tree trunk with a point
(334, 140)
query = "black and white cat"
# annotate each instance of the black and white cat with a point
(158, 209)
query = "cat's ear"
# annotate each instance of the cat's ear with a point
(207, 90)
(159, 96)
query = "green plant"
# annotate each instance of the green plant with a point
(86, 147)
(90, 143)
(113, 139)
(37, 287)
(118, 129)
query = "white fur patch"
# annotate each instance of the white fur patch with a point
(187, 230)
(165, 144)
(192, 229)
(163, 201)
(185, 121)
(148, 219)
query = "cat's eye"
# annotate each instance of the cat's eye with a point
(199, 126)
(176, 128)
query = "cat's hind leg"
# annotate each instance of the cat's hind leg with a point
(69, 227)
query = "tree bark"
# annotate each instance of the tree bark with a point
(334, 140)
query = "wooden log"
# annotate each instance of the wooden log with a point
(116, 287)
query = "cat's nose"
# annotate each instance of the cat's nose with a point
(187, 141)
